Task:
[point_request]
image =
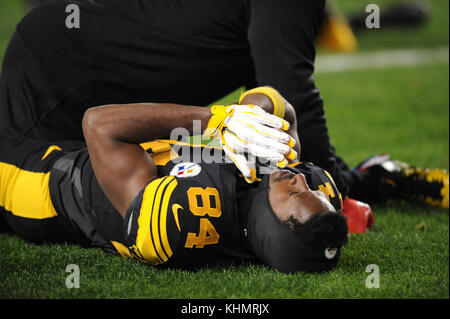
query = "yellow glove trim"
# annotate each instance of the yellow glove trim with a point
(216, 122)
(282, 164)
(252, 176)
(279, 108)
(291, 143)
(292, 155)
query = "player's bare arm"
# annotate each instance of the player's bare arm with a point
(113, 134)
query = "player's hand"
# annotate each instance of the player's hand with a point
(249, 129)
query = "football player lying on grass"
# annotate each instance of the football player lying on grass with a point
(168, 212)
(134, 199)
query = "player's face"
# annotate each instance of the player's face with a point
(290, 195)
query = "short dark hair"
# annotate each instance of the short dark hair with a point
(324, 229)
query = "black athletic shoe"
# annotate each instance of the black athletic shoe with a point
(387, 178)
(428, 186)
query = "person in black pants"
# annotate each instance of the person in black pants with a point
(172, 51)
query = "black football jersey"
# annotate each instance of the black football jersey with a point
(187, 217)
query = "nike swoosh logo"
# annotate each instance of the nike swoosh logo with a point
(129, 223)
(175, 208)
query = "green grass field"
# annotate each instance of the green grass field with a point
(402, 111)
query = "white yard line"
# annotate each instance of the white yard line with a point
(331, 63)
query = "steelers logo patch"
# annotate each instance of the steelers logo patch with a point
(330, 253)
(186, 169)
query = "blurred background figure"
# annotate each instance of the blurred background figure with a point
(407, 14)
(340, 33)
(336, 33)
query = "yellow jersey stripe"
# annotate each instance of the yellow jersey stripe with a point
(163, 217)
(163, 158)
(162, 151)
(25, 193)
(122, 249)
(156, 146)
(155, 216)
(210, 144)
(143, 237)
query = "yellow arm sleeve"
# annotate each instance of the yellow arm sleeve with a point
(279, 108)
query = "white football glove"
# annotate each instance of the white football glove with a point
(249, 129)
